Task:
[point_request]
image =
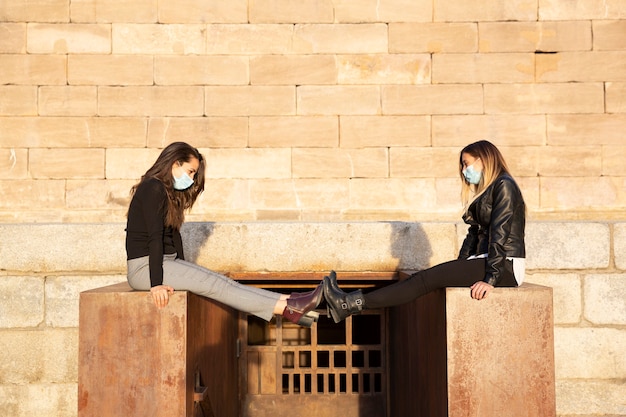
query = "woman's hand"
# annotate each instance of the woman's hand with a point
(480, 290)
(161, 295)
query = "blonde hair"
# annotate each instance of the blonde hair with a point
(493, 163)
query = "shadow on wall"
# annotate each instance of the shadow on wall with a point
(195, 235)
(410, 245)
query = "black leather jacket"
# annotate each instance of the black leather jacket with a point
(497, 219)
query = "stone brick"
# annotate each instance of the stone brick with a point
(613, 160)
(68, 101)
(432, 99)
(62, 294)
(286, 11)
(605, 299)
(384, 69)
(424, 162)
(433, 37)
(201, 70)
(588, 159)
(44, 400)
(619, 245)
(298, 194)
(567, 295)
(567, 245)
(590, 397)
(50, 355)
(615, 97)
(483, 68)
(396, 193)
(107, 11)
(590, 129)
(12, 38)
(146, 39)
(364, 131)
(530, 191)
(338, 100)
(218, 132)
(293, 69)
(17, 100)
(32, 195)
(21, 301)
(503, 130)
(150, 101)
(200, 11)
(523, 161)
(248, 163)
(99, 194)
(581, 67)
(66, 163)
(294, 131)
(13, 163)
(544, 98)
(45, 38)
(608, 35)
(228, 194)
(535, 36)
(110, 70)
(364, 38)
(32, 69)
(601, 193)
(588, 352)
(383, 11)
(581, 10)
(129, 163)
(340, 163)
(481, 10)
(263, 39)
(105, 251)
(250, 101)
(35, 11)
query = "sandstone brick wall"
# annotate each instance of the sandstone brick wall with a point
(315, 111)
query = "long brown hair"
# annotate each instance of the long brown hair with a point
(177, 201)
(494, 165)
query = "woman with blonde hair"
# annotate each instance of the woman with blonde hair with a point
(492, 254)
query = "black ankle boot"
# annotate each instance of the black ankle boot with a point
(341, 304)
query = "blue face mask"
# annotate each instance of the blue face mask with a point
(471, 175)
(183, 182)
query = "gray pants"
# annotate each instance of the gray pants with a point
(186, 276)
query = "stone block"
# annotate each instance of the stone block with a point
(384, 69)
(393, 194)
(619, 245)
(129, 164)
(608, 35)
(483, 68)
(214, 132)
(358, 11)
(590, 353)
(151, 101)
(590, 398)
(591, 129)
(68, 101)
(567, 245)
(32, 69)
(587, 10)
(338, 100)
(199, 11)
(14, 163)
(250, 100)
(558, 98)
(294, 131)
(612, 160)
(338, 38)
(392, 131)
(567, 295)
(481, 10)
(74, 38)
(550, 161)
(506, 130)
(430, 37)
(432, 99)
(248, 163)
(113, 11)
(99, 194)
(290, 196)
(615, 97)
(293, 70)
(231, 195)
(43, 400)
(110, 70)
(340, 163)
(158, 39)
(72, 163)
(31, 195)
(12, 38)
(18, 100)
(21, 301)
(603, 193)
(38, 356)
(605, 299)
(35, 11)
(581, 67)
(535, 36)
(424, 162)
(285, 11)
(251, 39)
(201, 70)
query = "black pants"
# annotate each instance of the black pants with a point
(457, 273)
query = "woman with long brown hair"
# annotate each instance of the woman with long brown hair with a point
(154, 247)
(492, 254)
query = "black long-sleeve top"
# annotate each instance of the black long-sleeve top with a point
(146, 233)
